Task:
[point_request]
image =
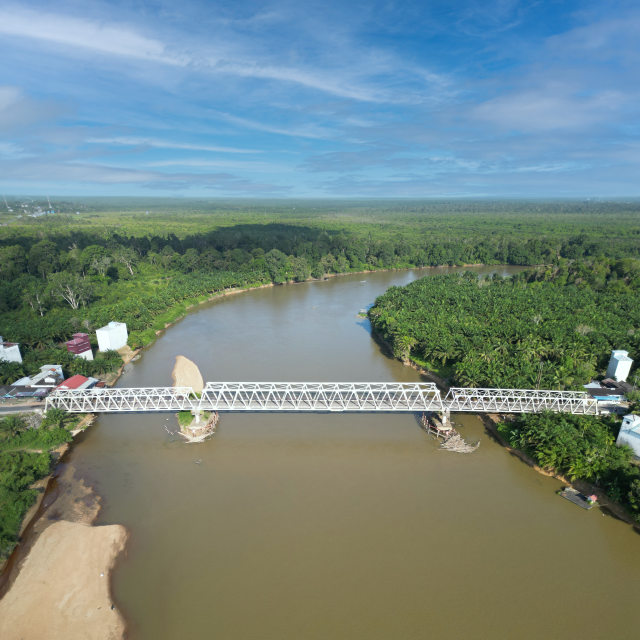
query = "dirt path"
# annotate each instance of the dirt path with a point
(62, 591)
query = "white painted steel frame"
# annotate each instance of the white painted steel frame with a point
(123, 400)
(321, 396)
(519, 401)
(257, 396)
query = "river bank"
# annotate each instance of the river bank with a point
(62, 564)
(491, 422)
(63, 590)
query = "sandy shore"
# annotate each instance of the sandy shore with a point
(62, 590)
(186, 374)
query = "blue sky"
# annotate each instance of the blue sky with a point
(320, 99)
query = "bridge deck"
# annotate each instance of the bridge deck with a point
(321, 396)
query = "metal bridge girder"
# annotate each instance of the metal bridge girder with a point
(322, 396)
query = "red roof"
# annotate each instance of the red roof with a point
(73, 382)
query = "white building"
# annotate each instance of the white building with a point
(630, 433)
(619, 365)
(113, 336)
(50, 376)
(10, 351)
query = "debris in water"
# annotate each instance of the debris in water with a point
(197, 461)
(455, 442)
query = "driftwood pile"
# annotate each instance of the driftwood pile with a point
(455, 442)
(451, 439)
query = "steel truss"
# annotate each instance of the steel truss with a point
(321, 396)
(257, 396)
(123, 400)
(519, 401)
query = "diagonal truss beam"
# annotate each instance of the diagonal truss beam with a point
(519, 401)
(321, 396)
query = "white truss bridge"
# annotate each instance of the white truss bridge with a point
(321, 396)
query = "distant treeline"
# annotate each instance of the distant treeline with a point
(61, 276)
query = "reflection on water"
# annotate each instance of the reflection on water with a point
(321, 526)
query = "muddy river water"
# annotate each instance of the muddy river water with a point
(318, 526)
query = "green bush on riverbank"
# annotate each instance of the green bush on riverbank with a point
(517, 332)
(25, 444)
(582, 447)
(18, 471)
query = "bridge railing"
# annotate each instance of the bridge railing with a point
(519, 401)
(321, 396)
(123, 400)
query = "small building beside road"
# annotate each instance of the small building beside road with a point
(78, 383)
(630, 433)
(10, 351)
(50, 376)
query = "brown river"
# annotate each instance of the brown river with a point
(335, 526)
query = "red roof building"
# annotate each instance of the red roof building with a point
(73, 382)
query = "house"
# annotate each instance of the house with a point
(630, 433)
(113, 336)
(77, 383)
(619, 365)
(80, 346)
(50, 376)
(10, 351)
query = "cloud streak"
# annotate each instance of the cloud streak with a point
(130, 141)
(322, 98)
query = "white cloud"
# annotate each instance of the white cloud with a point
(30, 173)
(310, 131)
(342, 79)
(77, 32)
(548, 108)
(165, 144)
(261, 167)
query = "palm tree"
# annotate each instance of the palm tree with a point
(57, 419)
(10, 372)
(11, 426)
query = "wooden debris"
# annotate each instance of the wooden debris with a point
(455, 442)
(451, 439)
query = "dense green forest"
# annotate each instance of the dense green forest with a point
(553, 327)
(25, 443)
(581, 447)
(144, 261)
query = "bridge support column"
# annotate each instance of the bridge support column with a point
(196, 413)
(445, 418)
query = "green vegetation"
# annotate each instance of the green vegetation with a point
(553, 327)
(580, 447)
(185, 418)
(25, 443)
(64, 273)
